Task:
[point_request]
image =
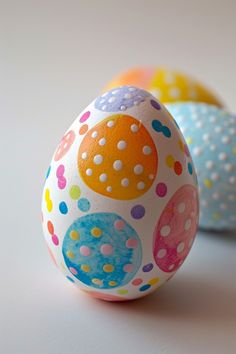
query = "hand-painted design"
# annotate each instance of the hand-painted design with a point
(84, 117)
(48, 200)
(175, 165)
(83, 129)
(83, 204)
(118, 158)
(70, 279)
(176, 229)
(104, 296)
(161, 189)
(48, 172)
(50, 228)
(161, 128)
(74, 192)
(64, 145)
(155, 104)
(63, 207)
(106, 254)
(61, 180)
(147, 267)
(210, 133)
(138, 211)
(121, 98)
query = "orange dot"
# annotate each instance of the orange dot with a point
(170, 161)
(178, 168)
(83, 129)
(50, 227)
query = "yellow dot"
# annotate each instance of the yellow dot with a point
(216, 216)
(112, 283)
(70, 254)
(49, 205)
(108, 268)
(74, 192)
(181, 145)
(153, 281)
(234, 149)
(208, 183)
(189, 140)
(170, 161)
(122, 291)
(96, 232)
(97, 281)
(85, 268)
(74, 235)
(47, 194)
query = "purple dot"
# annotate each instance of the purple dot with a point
(155, 104)
(138, 211)
(148, 267)
(161, 189)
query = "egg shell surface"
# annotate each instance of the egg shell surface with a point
(166, 85)
(211, 136)
(120, 200)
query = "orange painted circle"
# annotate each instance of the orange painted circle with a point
(118, 158)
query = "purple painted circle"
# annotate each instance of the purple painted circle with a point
(155, 104)
(148, 267)
(137, 212)
(161, 189)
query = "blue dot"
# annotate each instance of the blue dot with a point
(190, 168)
(63, 208)
(70, 279)
(48, 172)
(145, 287)
(83, 204)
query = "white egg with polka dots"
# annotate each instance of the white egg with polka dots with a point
(120, 200)
(211, 134)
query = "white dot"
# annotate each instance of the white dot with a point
(84, 155)
(216, 196)
(89, 172)
(174, 92)
(161, 253)
(165, 230)
(212, 147)
(121, 145)
(215, 176)
(232, 131)
(180, 247)
(103, 177)
(223, 206)
(218, 129)
(128, 96)
(147, 150)
(187, 224)
(197, 151)
(109, 189)
(225, 139)
(138, 169)
(222, 156)
(151, 176)
(131, 89)
(228, 167)
(117, 165)
(102, 142)
(110, 124)
(171, 266)
(140, 185)
(102, 100)
(104, 107)
(199, 124)
(122, 108)
(181, 208)
(98, 159)
(232, 179)
(115, 92)
(94, 134)
(206, 137)
(212, 119)
(105, 94)
(112, 99)
(125, 182)
(134, 128)
(209, 164)
(204, 203)
(232, 197)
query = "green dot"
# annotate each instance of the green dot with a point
(74, 192)
(122, 291)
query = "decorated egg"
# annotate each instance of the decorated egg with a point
(211, 135)
(120, 201)
(166, 85)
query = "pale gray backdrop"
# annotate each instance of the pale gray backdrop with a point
(55, 56)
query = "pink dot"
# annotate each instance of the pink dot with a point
(106, 249)
(128, 268)
(60, 171)
(161, 189)
(137, 281)
(84, 117)
(131, 243)
(73, 270)
(55, 240)
(85, 251)
(119, 224)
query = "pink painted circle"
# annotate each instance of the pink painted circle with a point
(176, 229)
(64, 145)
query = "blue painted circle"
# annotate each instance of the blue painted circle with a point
(83, 204)
(63, 208)
(145, 287)
(89, 265)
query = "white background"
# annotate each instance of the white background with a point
(55, 57)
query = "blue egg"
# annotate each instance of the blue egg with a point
(211, 136)
(102, 250)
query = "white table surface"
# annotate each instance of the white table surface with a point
(56, 57)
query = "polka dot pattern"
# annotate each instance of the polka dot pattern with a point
(211, 134)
